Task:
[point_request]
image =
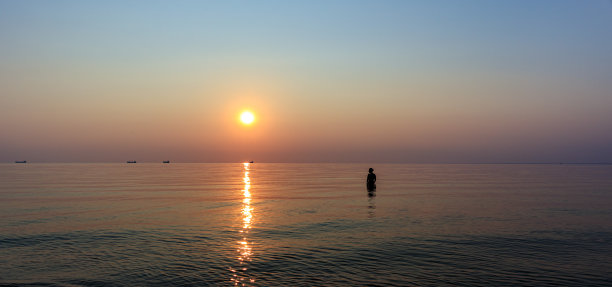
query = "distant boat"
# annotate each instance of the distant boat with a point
(21, 161)
(131, 161)
(166, 161)
(250, 161)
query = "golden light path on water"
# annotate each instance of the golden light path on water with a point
(244, 248)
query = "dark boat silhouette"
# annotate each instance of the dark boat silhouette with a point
(166, 161)
(21, 161)
(250, 161)
(131, 161)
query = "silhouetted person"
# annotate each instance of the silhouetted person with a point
(371, 181)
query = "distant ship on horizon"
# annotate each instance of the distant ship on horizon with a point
(21, 161)
(131, 161)
(166, 161)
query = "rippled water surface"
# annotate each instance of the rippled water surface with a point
(305, 225)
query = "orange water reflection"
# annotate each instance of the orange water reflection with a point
(240, 277)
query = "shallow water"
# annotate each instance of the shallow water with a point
(305, 225)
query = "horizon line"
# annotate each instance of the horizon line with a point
(319, 162)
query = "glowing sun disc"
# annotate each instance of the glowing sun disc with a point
(247, 118)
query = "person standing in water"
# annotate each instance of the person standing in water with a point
(371, 181)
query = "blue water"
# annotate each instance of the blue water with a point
(305, 225)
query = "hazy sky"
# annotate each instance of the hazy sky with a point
(331, 81)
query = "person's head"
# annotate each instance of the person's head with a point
(371, 170)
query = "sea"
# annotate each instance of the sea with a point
(313, 224)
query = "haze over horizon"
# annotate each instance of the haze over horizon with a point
(334, 81)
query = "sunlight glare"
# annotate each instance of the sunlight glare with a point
(247, 117)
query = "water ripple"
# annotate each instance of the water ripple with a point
(269, 225)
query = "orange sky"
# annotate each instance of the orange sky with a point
(386, 82)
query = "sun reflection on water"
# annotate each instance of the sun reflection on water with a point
(239, 277)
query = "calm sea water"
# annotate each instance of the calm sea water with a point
(305, 225)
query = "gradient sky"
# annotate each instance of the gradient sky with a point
(329, 81)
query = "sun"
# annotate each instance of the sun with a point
(247, 117)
